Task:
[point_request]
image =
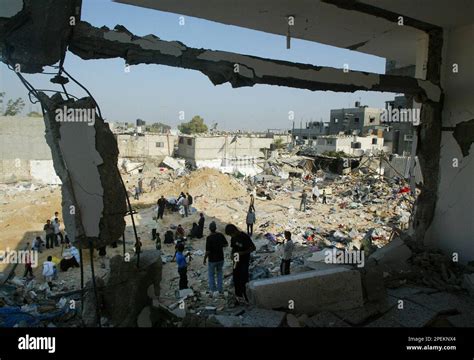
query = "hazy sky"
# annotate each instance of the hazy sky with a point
(158, 93)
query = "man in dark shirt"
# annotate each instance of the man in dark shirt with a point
(201, 225)
(161, 206)
(49, 230)
(242, 246)
(215, 244)
(190, 199)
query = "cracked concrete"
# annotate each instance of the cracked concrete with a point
(85, 159)
(89, 42)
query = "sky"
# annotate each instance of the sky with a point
(157, 93)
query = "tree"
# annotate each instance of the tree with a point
(196, 125)
(14, 107)
(158, 128)
(279, 144)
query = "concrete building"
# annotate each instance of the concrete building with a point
(399, 135)
(359, 119)
(350, 144)
(24, 153)
(310, 132)
(146, 145)
(199, 150)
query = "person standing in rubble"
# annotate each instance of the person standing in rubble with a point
(185, 206)
(140, 186)
(190, 199)
(250, 221)
(201, 225)
(287, 250)
(161, 207)
(57, 232)
(315, 193)
(28, 265)
(153, 183)
(304, 198)
(182, 265)
(48, 271)
(324, 197)
(136, 193)
(252, 202)
(242, 246)
(49, 231)
(215, 244)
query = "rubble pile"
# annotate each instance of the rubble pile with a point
(33, 304)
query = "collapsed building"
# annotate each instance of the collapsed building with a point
(431, 41)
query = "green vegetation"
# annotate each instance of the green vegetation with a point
(195, 126)
(13, 107)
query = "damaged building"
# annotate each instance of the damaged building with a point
(429, 63)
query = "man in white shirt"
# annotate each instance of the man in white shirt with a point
(48, 271)
(315, 192)
(57, 232)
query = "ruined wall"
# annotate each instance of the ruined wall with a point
(22, 149)
(23, 138)
(452, 228)
(210, 148)
(85, 157)
(144, 146)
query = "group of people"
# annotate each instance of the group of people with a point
(315, 195)
(183, 204)
(242, 246)
(54, 237)
(53, 233)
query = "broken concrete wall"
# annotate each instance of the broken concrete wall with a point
(309, 292)
(452, 226)
(128, 288)
(85, 158)
(33, 37)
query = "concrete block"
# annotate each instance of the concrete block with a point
(393, 253)
(309, 292)
(373, 283)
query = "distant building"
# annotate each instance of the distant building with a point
(310, 132)
(146, 145)
(399, 135)
(219, 150)
(350, 144)
(359, 120)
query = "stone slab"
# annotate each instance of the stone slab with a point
(310, 292)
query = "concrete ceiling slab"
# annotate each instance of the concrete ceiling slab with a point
(314, 21)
